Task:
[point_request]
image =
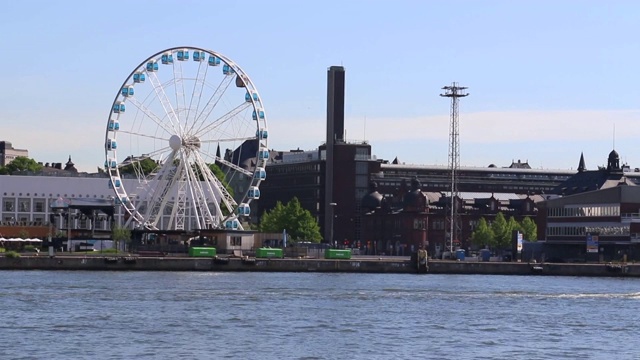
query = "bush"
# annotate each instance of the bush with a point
(2, 250)
(29, 248)
(11, 254)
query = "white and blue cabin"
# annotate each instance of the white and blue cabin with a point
(114, 125)
(263, 154)
(110, 164)
(262, 134)
(138, 77)
(167, 58)
(198, 56)
(228, 70)
(248, 97)
(122, 200)
(111, 144)
(244, 209)
(214, 60)
(254, 193)
(232, 224)
(115, 181)
(152, 66)
(255, 115)
(183, 55)
(127, 91)
(118, 107)
(260, 173)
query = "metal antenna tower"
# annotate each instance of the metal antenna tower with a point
(454, 92)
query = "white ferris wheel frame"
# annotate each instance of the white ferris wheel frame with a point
(185, 147)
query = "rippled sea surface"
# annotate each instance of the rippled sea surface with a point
(189, 315)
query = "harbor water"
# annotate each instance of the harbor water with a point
(208, 315)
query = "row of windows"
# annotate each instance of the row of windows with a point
(591, 211)
(24, 205)
(302, 168)
(614, 230)
(57, 195)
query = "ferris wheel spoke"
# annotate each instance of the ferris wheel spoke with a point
(178, 86)
(164, 101)
(211, 103)
(196, 94)
(233, 166)
(198, 194)
(161, 184)
(223, 119)
(148, 155)
(151, 115)
(212, 182)
(141, 135)
(179, 207)
(228, 139)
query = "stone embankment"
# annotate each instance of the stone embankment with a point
(354, 265)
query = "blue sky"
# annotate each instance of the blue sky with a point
(547, 79)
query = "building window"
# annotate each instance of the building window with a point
(8, 205)
(39, 205)
(236, 241)
(24, 205)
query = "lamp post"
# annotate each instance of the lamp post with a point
(333, 206)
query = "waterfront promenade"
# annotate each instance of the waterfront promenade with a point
(353, 265)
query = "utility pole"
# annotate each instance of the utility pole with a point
(454, 92)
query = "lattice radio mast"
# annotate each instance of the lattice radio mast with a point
(454, 92)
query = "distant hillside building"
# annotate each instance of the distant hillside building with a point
(8, 153)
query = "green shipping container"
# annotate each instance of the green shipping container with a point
(202, 252)
(268, 253)
(337, 254)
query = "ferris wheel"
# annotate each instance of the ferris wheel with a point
(186, 142)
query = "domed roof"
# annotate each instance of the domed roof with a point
(412, 198)
(373, 200)
(613, 163)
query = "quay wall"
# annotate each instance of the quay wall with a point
(168, 263)
(203, 264)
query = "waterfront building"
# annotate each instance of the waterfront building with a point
(596, 219)
(8, 153)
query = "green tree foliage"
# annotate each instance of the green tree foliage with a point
(513, 225)
(299, 223)
(529, 229)
(20, 163)
(146, 166)
(483, 235)
(499, 234)
(501, 230)
(120, 234)
(215, 169)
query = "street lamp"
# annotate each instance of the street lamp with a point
(333, 206)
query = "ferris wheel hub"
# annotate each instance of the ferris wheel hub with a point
(175, 142)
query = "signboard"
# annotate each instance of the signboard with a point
(519, 246)
(592, 243)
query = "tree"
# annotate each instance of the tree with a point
(299, 223)
(22, 163)
(483, 235)
(120, 234)
(501, 231)
(513, 225)
(529, 229)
